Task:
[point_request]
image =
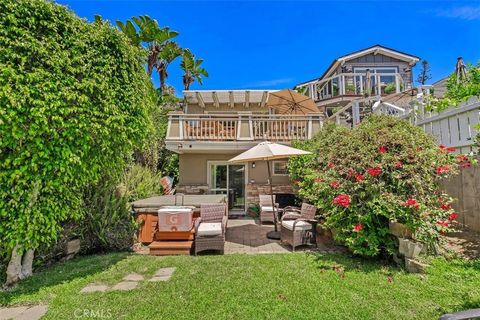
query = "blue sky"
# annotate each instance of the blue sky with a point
(276, 44)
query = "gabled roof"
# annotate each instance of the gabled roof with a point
(377, 49)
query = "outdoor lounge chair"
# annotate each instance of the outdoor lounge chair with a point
(210, 228)
(266, 209)
(297, 226)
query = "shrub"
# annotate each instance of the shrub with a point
(74, 103)
(384, 170)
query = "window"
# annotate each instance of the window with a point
(280, 168)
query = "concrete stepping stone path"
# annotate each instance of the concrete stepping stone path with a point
(93, 287)
(133, 277)
(125, 285)
(23, 312)
(163, 274)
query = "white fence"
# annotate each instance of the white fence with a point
(455, 127)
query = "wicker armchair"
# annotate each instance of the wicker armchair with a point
(210, 228)
(297, 226)
(266, 210)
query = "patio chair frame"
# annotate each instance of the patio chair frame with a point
(298, 237)
(211, 213)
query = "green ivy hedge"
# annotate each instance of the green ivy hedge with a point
(74, 103)
(384, 170)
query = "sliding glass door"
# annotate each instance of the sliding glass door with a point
(228, 179)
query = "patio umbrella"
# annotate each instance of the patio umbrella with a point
(268, 151)
(460, 70)
(291, 102)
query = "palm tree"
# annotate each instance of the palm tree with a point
(161, 50)
(170, 52)
(191, 69)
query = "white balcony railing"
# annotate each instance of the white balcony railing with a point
(356, 84)
(245, 126)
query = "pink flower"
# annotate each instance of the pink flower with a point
(330, 165)
(453, 216)
(358, 227)
(374, 171)
(399, 165)
(411, 203)
(350, 172)
(442, 169)
(318, 180)
(382, 149)
(442, 146)
(442, 223)
(359, 177)
(342, 200)
(334, 184)
(451, 149)
(446, 206)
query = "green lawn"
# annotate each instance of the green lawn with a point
(277, 286)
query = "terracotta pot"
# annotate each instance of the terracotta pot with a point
(400, 230)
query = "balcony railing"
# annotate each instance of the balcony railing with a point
(356, 84)
(242, 127)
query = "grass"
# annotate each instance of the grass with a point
(277, 286)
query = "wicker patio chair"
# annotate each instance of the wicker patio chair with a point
(297, 226)
(266, 209)
(210, 228)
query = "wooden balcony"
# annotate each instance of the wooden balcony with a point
(242, 127)
(347, 86)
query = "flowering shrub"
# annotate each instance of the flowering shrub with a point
(384, 170)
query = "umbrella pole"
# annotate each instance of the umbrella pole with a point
(272, 234)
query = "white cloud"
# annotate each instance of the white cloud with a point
(464, 13)
(268, 83)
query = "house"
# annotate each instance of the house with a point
(375, 71)
(215, 126)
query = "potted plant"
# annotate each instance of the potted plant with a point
(253, 210)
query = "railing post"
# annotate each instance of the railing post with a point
(175, 126)
(397, 84)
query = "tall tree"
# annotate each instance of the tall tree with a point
(424, 73)
(191, 69)
(161, 49)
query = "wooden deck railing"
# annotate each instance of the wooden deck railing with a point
(245, 126)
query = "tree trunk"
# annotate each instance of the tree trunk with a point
(27, 263)
(14, 268)
(19, 266)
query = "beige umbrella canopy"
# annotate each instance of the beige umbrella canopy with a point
(268, 151)
(291, 102)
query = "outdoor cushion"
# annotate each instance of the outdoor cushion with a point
(208, 229)
(264, 208)
(301, 225)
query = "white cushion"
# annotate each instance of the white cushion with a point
(210, 229)
(301, 225)
(265, 208)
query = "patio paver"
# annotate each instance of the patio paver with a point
(247, 236)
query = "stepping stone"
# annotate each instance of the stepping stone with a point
(33, 313)
(95, 288)
(23, 312)
(13, 312)
(125, 285)
(163, 274)
(133, 277)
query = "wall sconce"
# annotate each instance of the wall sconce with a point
(253, 164)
